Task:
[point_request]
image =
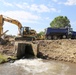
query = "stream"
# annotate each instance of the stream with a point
(37, 67)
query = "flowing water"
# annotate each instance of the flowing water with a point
(37, 67)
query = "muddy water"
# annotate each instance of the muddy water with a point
(37, 67)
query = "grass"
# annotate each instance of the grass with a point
(3, 58)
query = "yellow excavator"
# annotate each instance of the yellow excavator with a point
(22, 48)
(26, 33)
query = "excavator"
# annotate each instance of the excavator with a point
(22, 47)
(26, 33)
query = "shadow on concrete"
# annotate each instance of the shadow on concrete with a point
(25, 51)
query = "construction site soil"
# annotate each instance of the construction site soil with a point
(62, 50)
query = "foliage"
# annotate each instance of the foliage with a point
(41, 33)
(60, 21)
(2, 58)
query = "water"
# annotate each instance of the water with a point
(37, 67)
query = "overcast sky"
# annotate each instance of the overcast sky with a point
(37, 14)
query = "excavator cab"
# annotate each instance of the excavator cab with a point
(25, 31)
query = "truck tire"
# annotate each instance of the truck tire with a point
(55, 37)
(64, 37)
(49, 37)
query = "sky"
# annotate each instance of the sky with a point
(36, 14)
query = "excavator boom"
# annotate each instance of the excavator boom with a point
(16, 22)
(25, 32)
(10, 20)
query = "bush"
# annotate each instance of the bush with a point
(3, 58)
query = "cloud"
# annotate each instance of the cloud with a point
(47, 18)
(41, 8)
(55, 0)
(6, 3)
(67, 2)
(22, 5)
(23, 16)
(70, 2)
(32, 0)
(18, 5)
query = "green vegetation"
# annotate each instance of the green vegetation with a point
(40, 33)
(3, 58)
(12, 57)
(60, 21)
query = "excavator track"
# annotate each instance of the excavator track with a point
(24, 38)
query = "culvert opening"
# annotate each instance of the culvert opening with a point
(25, 50)
(29, 51)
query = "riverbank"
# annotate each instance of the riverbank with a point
(3, 58)
(62, 50)
(7, 53)
(6, 58)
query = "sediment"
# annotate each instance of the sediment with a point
(63, 50)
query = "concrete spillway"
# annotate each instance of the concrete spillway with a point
(26, 50)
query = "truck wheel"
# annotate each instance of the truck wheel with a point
(54, 37)
(64, 37)
(49, 37)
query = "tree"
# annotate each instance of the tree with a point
(41, 33)
(60, 21)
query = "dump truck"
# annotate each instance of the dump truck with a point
(60, 33)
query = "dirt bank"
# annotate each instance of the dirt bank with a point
(64, 50)
(7, 50)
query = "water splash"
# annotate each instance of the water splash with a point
(38, 67)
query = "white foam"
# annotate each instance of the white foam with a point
(35, 66)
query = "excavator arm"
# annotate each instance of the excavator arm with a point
(10, 20)
(25, 32)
